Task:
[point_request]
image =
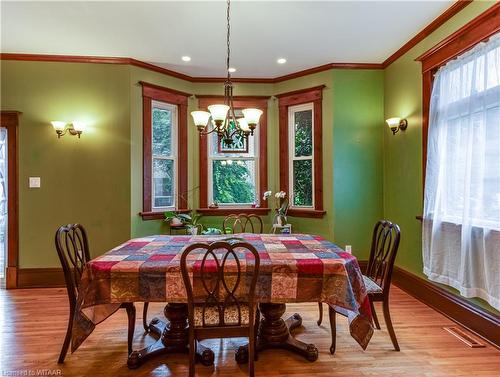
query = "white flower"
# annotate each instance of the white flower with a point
(267, 195)
(282, 194)
(277, 195)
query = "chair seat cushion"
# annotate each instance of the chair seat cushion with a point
(212, 315)
(371, 286)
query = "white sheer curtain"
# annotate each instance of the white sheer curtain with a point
(461, 229)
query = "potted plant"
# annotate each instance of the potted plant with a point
(280, 206)
(183, 219)
(173, 218)
(193, 223)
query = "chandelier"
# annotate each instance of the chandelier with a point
(221, 118)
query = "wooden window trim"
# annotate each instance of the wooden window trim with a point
(150, 93)
(298, 97)
(259, 102)
(10, 121)
(477, 30)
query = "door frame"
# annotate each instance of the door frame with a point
(10, 121)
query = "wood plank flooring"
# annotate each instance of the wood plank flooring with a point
(33, 323)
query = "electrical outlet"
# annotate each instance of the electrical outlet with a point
(34, 182)
(348, 249)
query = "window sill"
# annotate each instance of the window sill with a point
(224, 211)
(472, 224)
(311, 213)
(159, 215)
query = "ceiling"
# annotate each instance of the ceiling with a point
(306, 33)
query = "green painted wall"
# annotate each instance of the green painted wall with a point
(83, 180)
(358, 118)
(403, 152)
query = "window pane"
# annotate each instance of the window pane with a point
(303, 133)
(162, 132)
(233, 181)
(302, 183)
(163, 183)
(491, 187)
(239, 145)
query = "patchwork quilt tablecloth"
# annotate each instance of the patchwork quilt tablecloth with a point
(294, 268)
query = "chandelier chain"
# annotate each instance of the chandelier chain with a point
(227, 128)
(228, 39)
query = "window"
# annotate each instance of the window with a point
(164, 150)
(463, 163)
(300, 137)
(234, 176)
(301, 170)
(461, 233)
(164, 155)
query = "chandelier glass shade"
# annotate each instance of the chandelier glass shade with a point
(221, 118)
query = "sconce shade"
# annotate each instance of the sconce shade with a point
(58, 125)
(200, 118)
(79, 126)
(397, 124)
(252, 116)
(218, 112)
(393, 122)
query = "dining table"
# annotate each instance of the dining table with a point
(294, 268)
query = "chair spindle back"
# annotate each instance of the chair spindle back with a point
(73, 250)
(242, 223)
(385, 244)
(223, 277)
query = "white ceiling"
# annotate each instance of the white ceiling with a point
(306, 33)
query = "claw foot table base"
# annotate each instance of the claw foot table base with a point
(274, 332)
(172, 338)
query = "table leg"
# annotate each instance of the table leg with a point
(172, 338)
(274, 332)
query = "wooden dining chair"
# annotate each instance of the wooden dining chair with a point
(242, 223)
(73, 250)
(221, 293)
(377, 280)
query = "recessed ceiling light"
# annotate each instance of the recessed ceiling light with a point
(186, 58)
(231, 69)
(281, 61)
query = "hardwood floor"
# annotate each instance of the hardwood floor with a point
(33, 323)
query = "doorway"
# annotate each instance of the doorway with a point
(3, 204)
(9, 225)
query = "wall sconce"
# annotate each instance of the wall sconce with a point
(397, 124)
(61, 127)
